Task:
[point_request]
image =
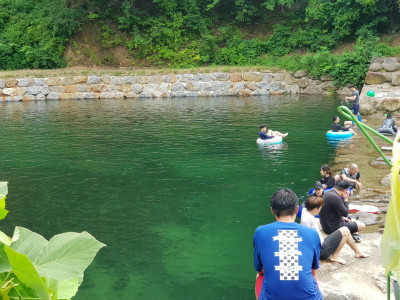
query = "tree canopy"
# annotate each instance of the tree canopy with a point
(187, 33)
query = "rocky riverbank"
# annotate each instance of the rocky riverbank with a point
(361, 279)
(383, 78)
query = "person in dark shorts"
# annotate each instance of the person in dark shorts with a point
(333, 243)
(335, 210)
(337, 127)
(265, 135)
(355, 96)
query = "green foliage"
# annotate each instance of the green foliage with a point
(238, 52)
(189, 33)
(33, 268)
(33, 33)
(271, 4)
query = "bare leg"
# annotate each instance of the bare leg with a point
(351, 130)
(357, 252)
(277, 133)
(348, 123)
(335, 255)
(360, 225)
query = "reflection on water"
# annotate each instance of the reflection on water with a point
(174, 187)
(339, 142)
(274, 151)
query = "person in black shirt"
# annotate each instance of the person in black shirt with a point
(318, 190)
(337, 127)
(328, 180)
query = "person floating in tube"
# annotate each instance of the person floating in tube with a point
(337, 127)
(265, 135)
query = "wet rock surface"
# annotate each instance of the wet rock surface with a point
(361, 279)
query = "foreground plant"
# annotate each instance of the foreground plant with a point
(32, 267)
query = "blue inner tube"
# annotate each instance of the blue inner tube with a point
(339, 134)
(300, 210)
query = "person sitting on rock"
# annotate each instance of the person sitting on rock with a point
(328, 180)
(352, 176)
(265, 135)
(337, 127)
(335, 211)
(333, 243)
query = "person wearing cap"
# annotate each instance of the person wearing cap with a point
(337, 127)
(333, 243)
(335, 210)
(265, 135)
(352, 176)
(318, 190)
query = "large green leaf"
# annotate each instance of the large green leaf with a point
(3, 193)
(3, 188)
(63, 289)
(4, 264)
(67, 255)
(23, 268)
(27, 242)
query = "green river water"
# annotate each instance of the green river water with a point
(175, 188)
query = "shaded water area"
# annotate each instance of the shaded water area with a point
(174, 187)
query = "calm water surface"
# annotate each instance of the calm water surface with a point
(175, 188)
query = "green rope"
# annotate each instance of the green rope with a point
(343, 110)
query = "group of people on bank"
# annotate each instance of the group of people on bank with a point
(286, 253)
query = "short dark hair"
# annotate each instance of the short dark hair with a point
(334, 118)
(341, 185)
(284, 202)
(313, 202)
(351, 86)
(262, 126)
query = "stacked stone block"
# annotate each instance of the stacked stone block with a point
(162, 86)
(383, 78)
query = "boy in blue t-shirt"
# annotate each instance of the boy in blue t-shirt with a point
(286, 253)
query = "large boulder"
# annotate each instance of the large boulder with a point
(300, 73)
(390, 104)
(391, 64)
(375, 78)
(396, 78)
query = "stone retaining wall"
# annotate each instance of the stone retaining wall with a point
(163, 86)
(383, 78)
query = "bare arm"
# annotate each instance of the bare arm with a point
(357, 182)
(352, 98)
